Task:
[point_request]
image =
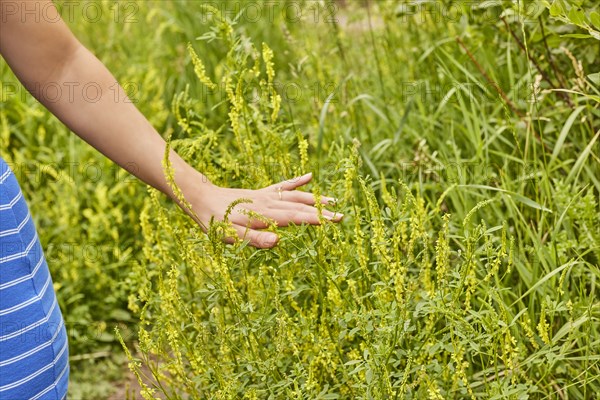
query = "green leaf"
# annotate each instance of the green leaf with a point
(594, 34)
(322, 119)
(518, 197)
(120, 315)
(576, 16)
(582, 158)
(595, 78)
(586, 95)
(569, 327)
(564, 132)
(352, 362)
(556, 8)
(595, 18)
(544, 279)
(577, 36)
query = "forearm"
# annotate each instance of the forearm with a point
(44, 54)
(97, 109)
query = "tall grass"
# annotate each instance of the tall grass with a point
(467, 169)
(467, 264)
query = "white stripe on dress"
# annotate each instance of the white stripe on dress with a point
(23, 278)
(34, 350)
(31, 326)
(17, 229)
(43, 392)
(4, 175)
(31, 300)
(21, 254)
(36, 373)
(12, 202)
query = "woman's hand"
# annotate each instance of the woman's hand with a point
(281, 203)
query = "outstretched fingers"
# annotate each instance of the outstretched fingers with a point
(284, 214)
(283, 205)
(291, 213)
(307, 198)
(286, 191)
(301, 214)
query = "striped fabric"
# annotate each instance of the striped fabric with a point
(34, 355)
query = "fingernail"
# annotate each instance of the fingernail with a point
(296, 179)
(331, 200)
(270, 239)
(336, 217)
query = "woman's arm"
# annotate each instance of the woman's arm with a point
(43, 53)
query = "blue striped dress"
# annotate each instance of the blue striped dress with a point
(34, 355)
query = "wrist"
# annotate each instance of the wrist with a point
(192, 184)
(195, 188)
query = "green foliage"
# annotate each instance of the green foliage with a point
(473, 282)
(466, 265)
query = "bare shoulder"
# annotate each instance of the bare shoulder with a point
(33, 36)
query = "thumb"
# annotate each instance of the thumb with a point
(265, 239)
(260, 239)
